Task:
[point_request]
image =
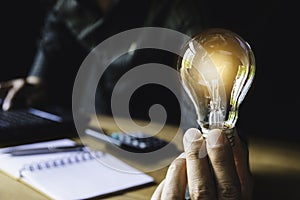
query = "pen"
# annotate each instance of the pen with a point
(35, 151)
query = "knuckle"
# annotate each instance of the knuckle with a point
(220, 157)
(201, 192)
(219, 162)
(192, 155)
(176, 165)
(196, 151)
(230, 191)
(172, 195)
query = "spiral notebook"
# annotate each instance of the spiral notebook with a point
(72, 175)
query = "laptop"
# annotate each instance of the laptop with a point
(33, 124)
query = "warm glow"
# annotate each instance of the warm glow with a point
(217, 69)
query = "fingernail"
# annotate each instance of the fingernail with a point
(215, 138)
(182, 155)
(5, 106)
(191, 135)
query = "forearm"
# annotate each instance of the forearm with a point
(38, 68)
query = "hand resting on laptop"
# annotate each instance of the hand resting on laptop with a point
(22, 92)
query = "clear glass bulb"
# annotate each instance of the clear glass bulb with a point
(216, 69)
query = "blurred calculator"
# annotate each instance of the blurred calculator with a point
(137, 142)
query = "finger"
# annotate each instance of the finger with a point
(175, 182)
(241, 158)
(11, 95)
(157, 193)
(200, 180)
(222, 161)
(4, 88)
(7, 103)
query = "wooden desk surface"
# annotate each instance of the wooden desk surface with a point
(275, 167)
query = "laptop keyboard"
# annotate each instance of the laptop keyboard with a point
(17, 118)
(20, 126)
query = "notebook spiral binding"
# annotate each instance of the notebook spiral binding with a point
(63, 161)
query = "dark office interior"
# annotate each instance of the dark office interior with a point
(269, 113)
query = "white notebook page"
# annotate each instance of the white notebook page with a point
(76, 180)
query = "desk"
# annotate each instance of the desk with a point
(275, 166)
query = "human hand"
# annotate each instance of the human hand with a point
(21, 92)
(211, 168)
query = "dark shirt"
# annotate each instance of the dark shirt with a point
(73, 28)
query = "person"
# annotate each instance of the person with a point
(73, 28)
(210, 167)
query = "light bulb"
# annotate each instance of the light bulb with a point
(216, 70)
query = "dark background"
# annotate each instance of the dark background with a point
(270, 109)
(21, 23)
